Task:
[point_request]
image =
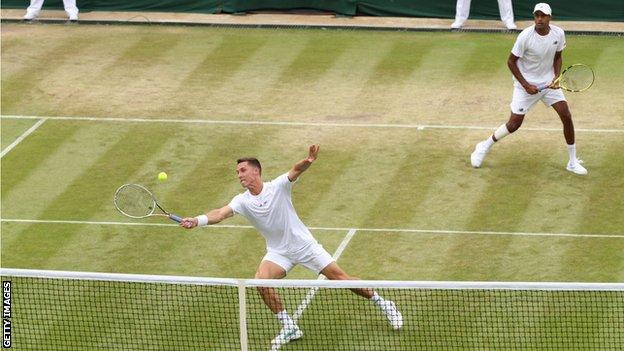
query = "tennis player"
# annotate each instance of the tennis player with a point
(268, 206)
(535, 60)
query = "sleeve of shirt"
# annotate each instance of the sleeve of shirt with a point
(237, 204)
(518, 48)
(283, 181)
(562, 41)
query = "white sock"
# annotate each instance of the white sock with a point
(285, 319)
(488, 142)
(572, 153)
(501, 132)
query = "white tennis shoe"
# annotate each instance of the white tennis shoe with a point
(31, 15)
(285, 336)
(477, 156)
(511, 25)
(392, 313)
(457, 24)
(576, 167)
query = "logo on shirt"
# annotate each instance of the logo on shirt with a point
(521, 109)
(261, 204)
(555, 42)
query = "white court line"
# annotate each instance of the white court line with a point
(387, 230)
(299, 124)
(22, 137)
(310, 295)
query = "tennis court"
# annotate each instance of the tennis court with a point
(397, 114)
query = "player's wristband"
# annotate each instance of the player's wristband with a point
(202, 220)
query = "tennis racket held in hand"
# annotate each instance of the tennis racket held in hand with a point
(136, 201)
(578, 77)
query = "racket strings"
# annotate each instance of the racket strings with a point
(578, 78)
(134, 201)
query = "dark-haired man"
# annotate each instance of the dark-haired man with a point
(268, 206)
(535, 62)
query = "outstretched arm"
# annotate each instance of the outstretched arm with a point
(214, 216)
(304, 164)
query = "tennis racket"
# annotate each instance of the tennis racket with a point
(135, 201)
(578, 77)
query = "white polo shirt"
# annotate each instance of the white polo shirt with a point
(273, 214)
(536, 54)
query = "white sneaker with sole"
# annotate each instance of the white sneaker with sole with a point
(285, 336)
(477, 156)
(576, 167)
(392, 313)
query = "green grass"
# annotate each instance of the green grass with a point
(377, 180)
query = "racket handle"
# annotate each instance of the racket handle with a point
(542, 87)
(175, 218)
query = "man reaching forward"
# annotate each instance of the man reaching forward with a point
(268, 206)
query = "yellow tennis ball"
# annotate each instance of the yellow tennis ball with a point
(162, 176)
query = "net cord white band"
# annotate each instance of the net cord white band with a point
(290, 283)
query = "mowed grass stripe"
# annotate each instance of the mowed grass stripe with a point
(12, 129)
(259, 74)
(456, 188)
(37, 170)
(78, 84)
(138, 69)
(222, 62)
(595, 104)
(18, 165)
(485, 61)
(343, 201)
(30, 81)
(177, 156)
(428, 257)
(25, 47)
(313, 60)
(392, 75)
(89, 187)
(331, 96)
(602, 210)
(502, 204)
(405, 182)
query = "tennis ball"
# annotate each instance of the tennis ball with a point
(162, 176)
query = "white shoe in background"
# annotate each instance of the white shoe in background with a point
(510, 25)
(457, 24)
(31, 15)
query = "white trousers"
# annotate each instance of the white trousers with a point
(504, 7)
(70, 7)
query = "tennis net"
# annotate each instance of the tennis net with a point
(57, 310)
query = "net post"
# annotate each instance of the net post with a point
(242, 313)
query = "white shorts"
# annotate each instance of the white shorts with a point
(314, 257)
(522, 102)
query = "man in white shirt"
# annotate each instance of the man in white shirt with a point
(268, 206)
(535, 62)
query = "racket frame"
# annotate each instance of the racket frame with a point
(155, 204)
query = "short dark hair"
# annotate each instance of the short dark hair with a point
(251, 161)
